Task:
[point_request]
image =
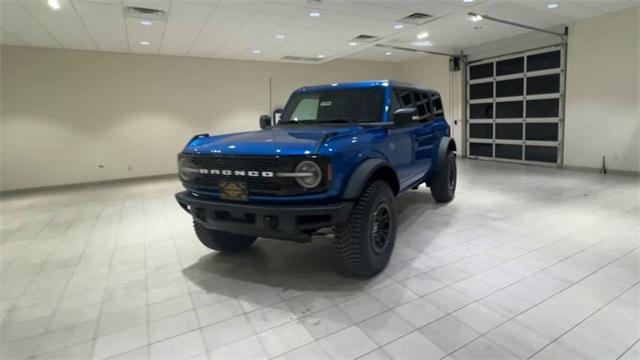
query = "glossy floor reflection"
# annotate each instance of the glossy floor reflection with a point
(527, 262)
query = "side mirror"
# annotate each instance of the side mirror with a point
(404, 116)
(265, 122)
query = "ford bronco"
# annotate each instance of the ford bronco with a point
(335, 161)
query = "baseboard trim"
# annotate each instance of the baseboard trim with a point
(597, 170)
(86, 184)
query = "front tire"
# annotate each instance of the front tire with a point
(364, 243)
(221, 240)
(443, 186)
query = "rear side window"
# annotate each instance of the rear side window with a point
(417, 99)
(436, 102)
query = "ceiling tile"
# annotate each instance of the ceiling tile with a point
(6, 38)
(185, 22)
(16, 19)
(64, 24)
(105, 23)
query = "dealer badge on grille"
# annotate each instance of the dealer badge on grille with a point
(233, 190)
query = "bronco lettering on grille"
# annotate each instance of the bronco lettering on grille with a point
(237, 172)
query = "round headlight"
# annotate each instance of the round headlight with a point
(309, 174)
(185, 169)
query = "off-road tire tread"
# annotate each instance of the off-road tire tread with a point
(440, 184)
(222, 241)
(347, 244)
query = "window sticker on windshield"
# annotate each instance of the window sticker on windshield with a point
(325, 103)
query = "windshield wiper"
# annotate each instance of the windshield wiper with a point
(288, 122)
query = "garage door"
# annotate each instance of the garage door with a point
(515, 107)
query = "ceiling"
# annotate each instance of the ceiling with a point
(247, 29)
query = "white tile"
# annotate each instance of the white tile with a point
(170, 307)
(449, 333)
(482, 348)
(347, 344)
(385, 327)
(326, 322)
(419, 312)
(394, 295)
(120, 342)
(172, 325)
(284, 338)
(517, 339)
(270, 316)
(180, 347)
(423, 284)
(414, 346)
(68, 336)
(311, 351)
(219, 311)
(227, 331)
(479, 317)
(362, 308)
(448, 299)
(249, 348)
(308, 303)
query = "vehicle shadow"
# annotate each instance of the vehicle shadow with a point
(276, 269)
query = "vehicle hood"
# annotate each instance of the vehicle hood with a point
(277, 141)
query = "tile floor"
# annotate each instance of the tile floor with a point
(526, 263)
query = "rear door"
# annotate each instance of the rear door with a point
(422, 133)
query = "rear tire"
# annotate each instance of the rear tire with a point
(364, 243)
(443, 185)
(221, 240)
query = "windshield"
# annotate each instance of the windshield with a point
(335, 106)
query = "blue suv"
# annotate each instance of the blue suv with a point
(335, 161)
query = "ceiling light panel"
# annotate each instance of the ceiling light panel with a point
(139, 34)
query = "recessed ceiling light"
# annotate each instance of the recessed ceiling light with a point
(475, 18)
(468, 1)
(388, 53)
(398, 26)
(145, 43)
(146, 22)
(279, 36)
(321, 56)
(422, 35)
(257, 51)
(54, 4)
(552, 6)
(422, 43)
(353, 44)
(314, 14)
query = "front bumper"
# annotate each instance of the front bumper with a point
(291, 222)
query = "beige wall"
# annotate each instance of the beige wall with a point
(433, 72)
(602, 104)
(65, 113)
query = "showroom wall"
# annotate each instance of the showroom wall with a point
(81, 116)
(603, 102)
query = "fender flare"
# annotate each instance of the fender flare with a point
(361, 175)
(446, 144)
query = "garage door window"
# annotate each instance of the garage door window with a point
(515, 107)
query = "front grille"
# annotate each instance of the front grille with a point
(256, 185)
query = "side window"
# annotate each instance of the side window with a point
(406, 98)
(438, 109)
(423, 106)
